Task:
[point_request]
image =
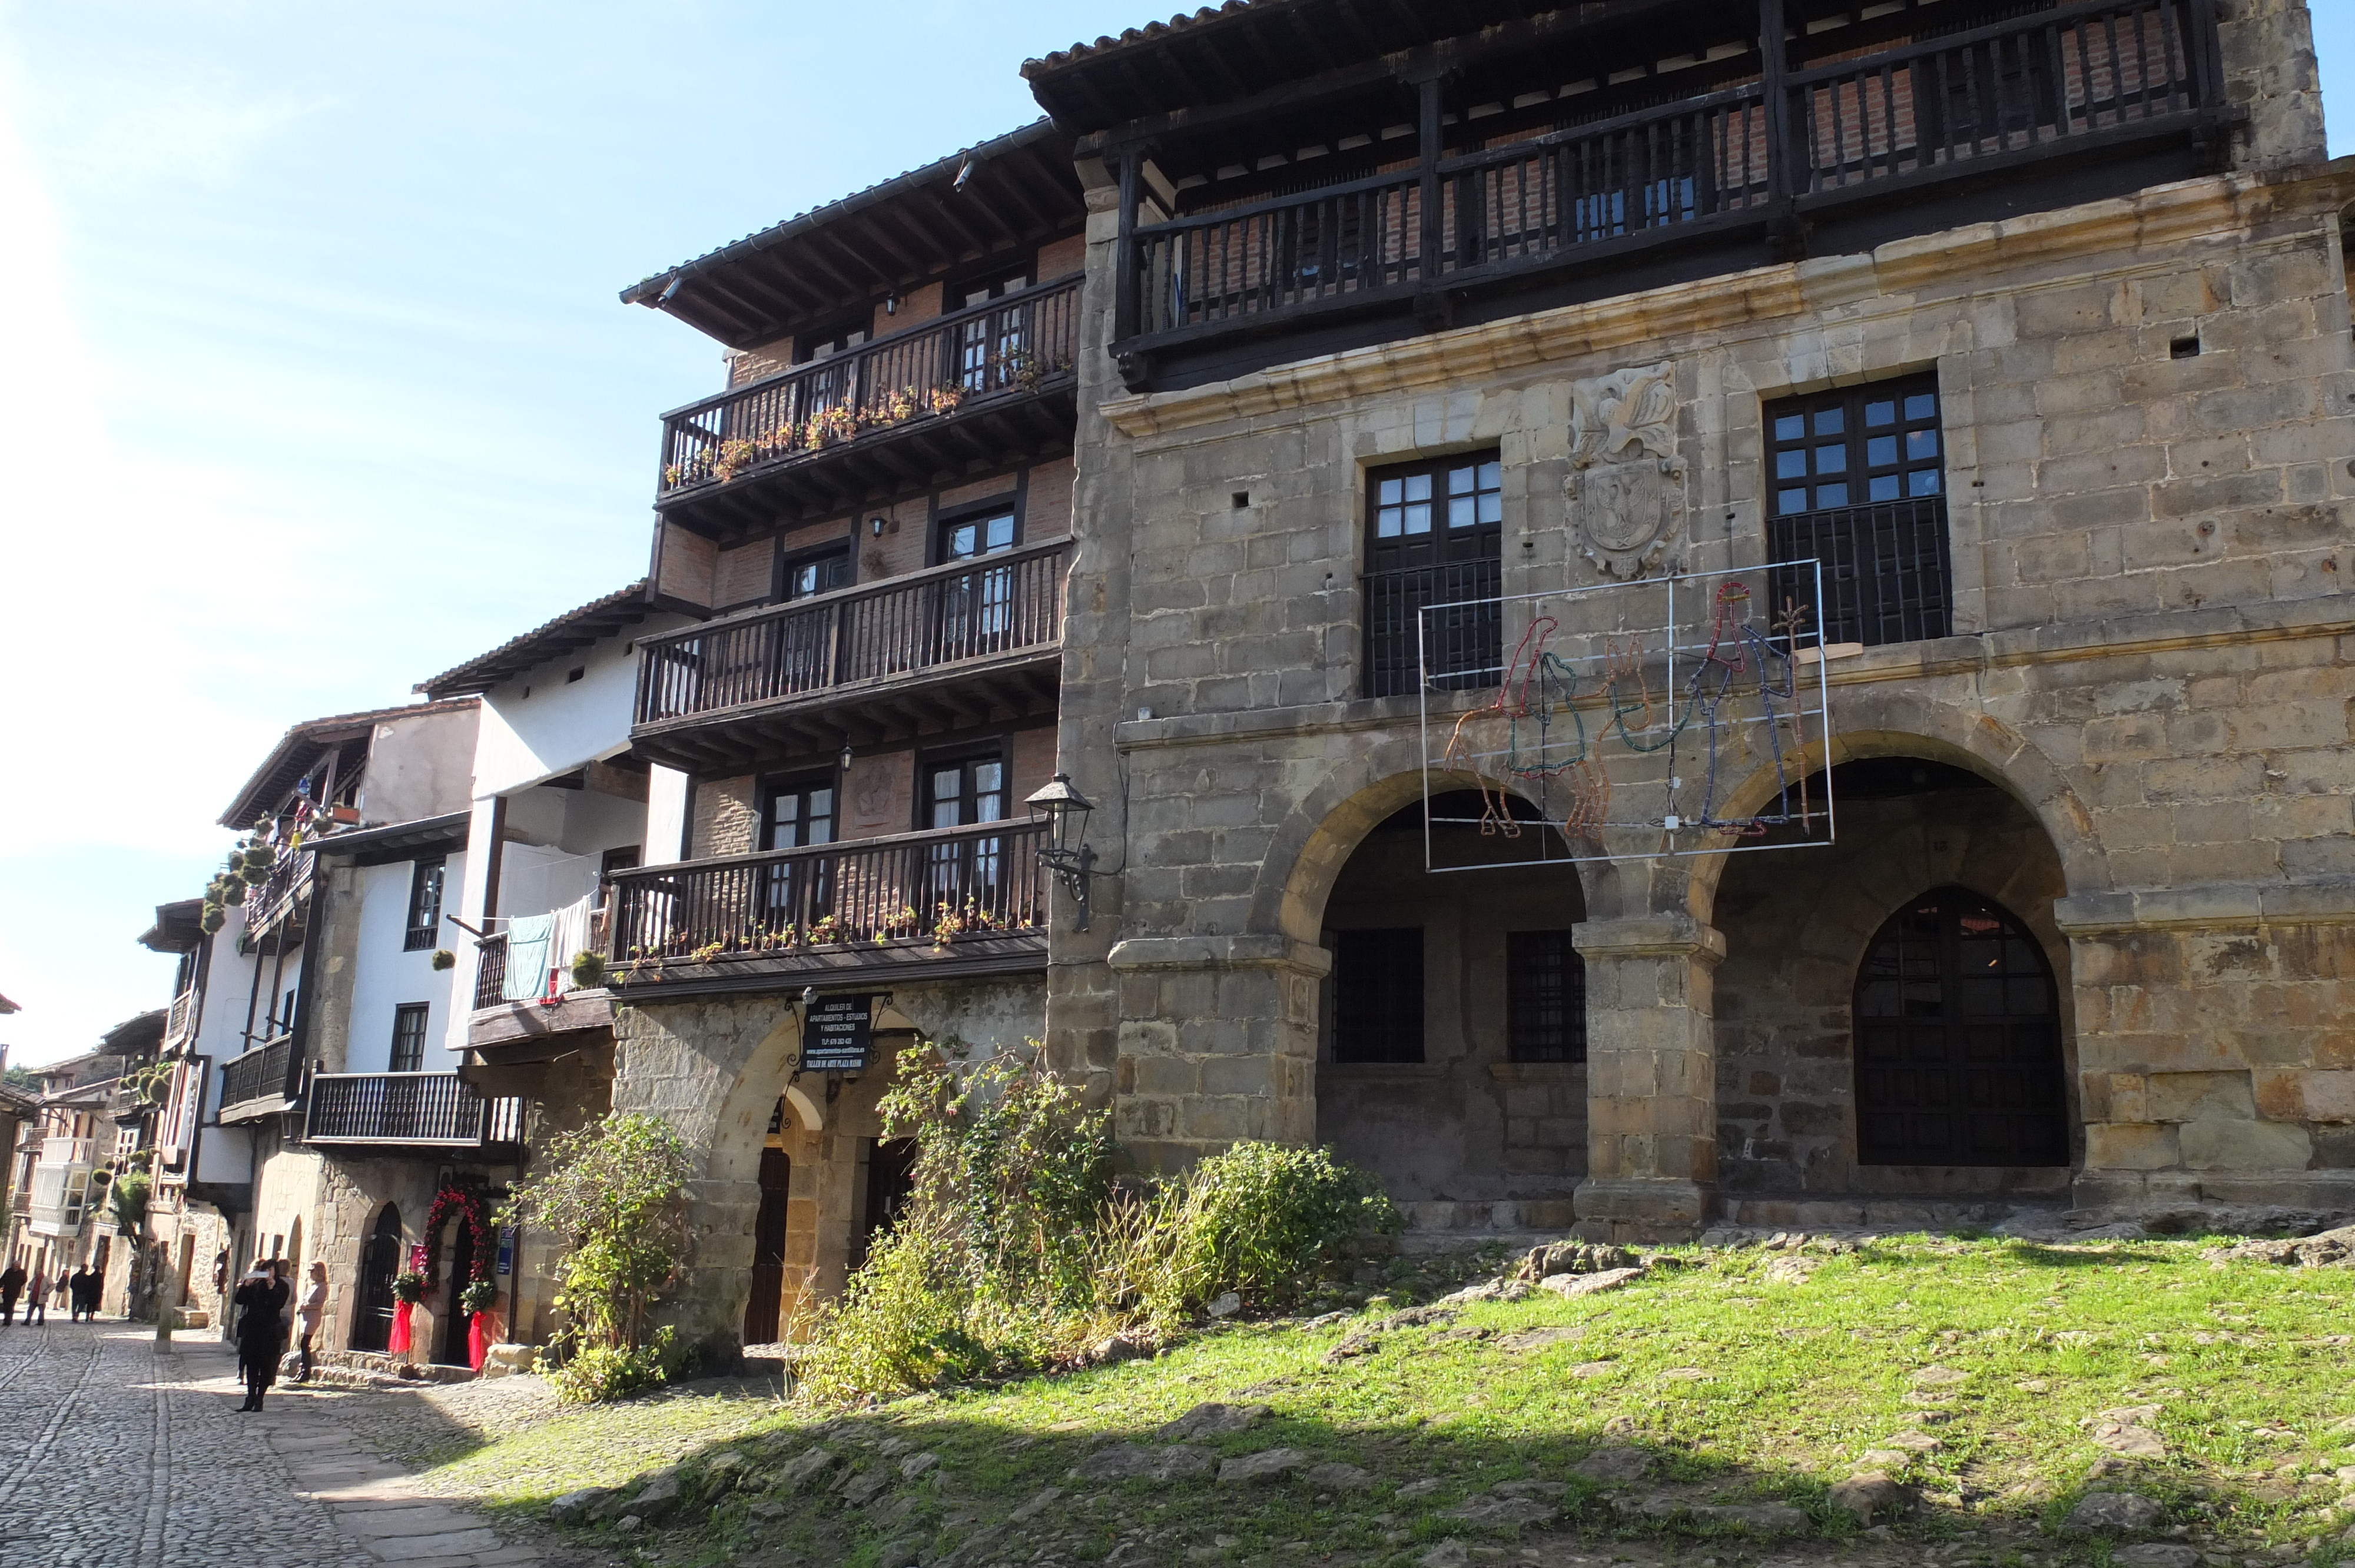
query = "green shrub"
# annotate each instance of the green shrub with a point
(1262, 1218)
(1017, 1253)
(617, 1191)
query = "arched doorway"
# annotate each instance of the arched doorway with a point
(379, 1261)
(1452, 1029)
(1958, 1040)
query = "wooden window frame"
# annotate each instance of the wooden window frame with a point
(1794, 456)
(425, 937)
(403, 1014)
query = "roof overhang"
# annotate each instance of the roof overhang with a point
(397, 840)
(574, 630)
(989, 199)
(300, 749)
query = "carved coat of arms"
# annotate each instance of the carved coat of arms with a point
(1625, 489)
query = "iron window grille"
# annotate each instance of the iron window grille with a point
(1857, 479)
(1545, 998)
(1377, 995)
(1434, 536)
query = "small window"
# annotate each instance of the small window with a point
(1868, 444)
(969, 538)
(1377, 995)
(409, 1036)
(962, 790)
(1545, 998)
(799, 813)
(818, 572)
(1434, 536)
(425, 904)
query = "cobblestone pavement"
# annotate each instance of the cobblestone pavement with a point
(111, 1454)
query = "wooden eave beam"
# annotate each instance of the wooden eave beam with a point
(871, 231)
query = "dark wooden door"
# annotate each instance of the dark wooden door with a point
(379, 1261)
(768, 1249)
(1958, 1040)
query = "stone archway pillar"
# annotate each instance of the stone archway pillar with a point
(1216, 1043)
(1651, 1078)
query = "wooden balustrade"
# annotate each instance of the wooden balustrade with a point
(2025, 87)
(1005, 348)
(930, 888)
(262, 1075)
(436, 1109)
(999, 604)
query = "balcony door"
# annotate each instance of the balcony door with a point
(798, 813)
(960, 792)
(761, 1309)
(803, 652)
(1859, 481)
(975, 612)
(1434, 537)
(992, 348)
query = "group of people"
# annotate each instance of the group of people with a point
(260, 1299)
(79, 1292)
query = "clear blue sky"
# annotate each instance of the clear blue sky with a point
(313, 382)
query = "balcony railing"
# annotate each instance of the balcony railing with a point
(1462, 645)
(437, 1109)
(1003, 604)
(262, 1077)
(1977, 101)
(281, 897)
(1007, 348)
(1886, 574)
(929, 889)
(181, 1023)
(68, 1150)
(490, 971)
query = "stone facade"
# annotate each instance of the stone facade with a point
(2148, 410)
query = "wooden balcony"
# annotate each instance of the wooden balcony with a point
(960, 902)
(2070, 103)
(519, 1029)
(984, 386)
(263, 1082)
(962, 643)
(277, 912)
(410, 1110)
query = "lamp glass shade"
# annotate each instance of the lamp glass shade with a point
(1065, 810)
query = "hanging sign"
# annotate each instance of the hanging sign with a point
(507, 1249)
(839, 1034)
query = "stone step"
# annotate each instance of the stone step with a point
(1875, 1213)
(369, 1364)
(1515, 1214)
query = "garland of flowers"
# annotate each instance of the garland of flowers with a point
(467, 1204)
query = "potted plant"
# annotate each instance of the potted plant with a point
(443, 959)
(408, 1285)
(479, 1295)
(588, 969)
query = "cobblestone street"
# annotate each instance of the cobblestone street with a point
(116, 1455)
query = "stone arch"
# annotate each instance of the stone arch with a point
(1887, 723)
(1319, 834)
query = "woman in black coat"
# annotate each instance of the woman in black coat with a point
(260, 1335)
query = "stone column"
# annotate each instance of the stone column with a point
(1216, 1043)
(1651, 1078)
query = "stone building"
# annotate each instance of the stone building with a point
(1325, 382)
(869, 529)
(2029, 321)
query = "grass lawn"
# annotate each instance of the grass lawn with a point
(1745, 1376)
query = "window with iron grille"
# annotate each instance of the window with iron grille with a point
(425, 904)
(1434, 537)
(1857, 482)
(409, 1036)
(1377, 995)
(1545, 998)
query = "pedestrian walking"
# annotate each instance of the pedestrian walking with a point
(12, 1285)
(37, 1302)
(307, 1313)
(260, 1335)
(94, 1284)
(77, 1292)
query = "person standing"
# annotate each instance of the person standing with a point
(12, 1285)
(37, 1302)
(308, 1313)
(77, 1292)
(261, 1297)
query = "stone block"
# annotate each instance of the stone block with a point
(2131, 1146)
(2245, 1146)
(2199, 1096)
(2306, 1095)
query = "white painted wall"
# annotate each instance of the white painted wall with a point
(384, 975)
(560, 723)
(419, 765)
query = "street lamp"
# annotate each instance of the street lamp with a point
(1065, 811)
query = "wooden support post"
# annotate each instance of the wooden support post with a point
(1784, 161)
(1127, 288)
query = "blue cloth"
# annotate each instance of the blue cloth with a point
(528, 961)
